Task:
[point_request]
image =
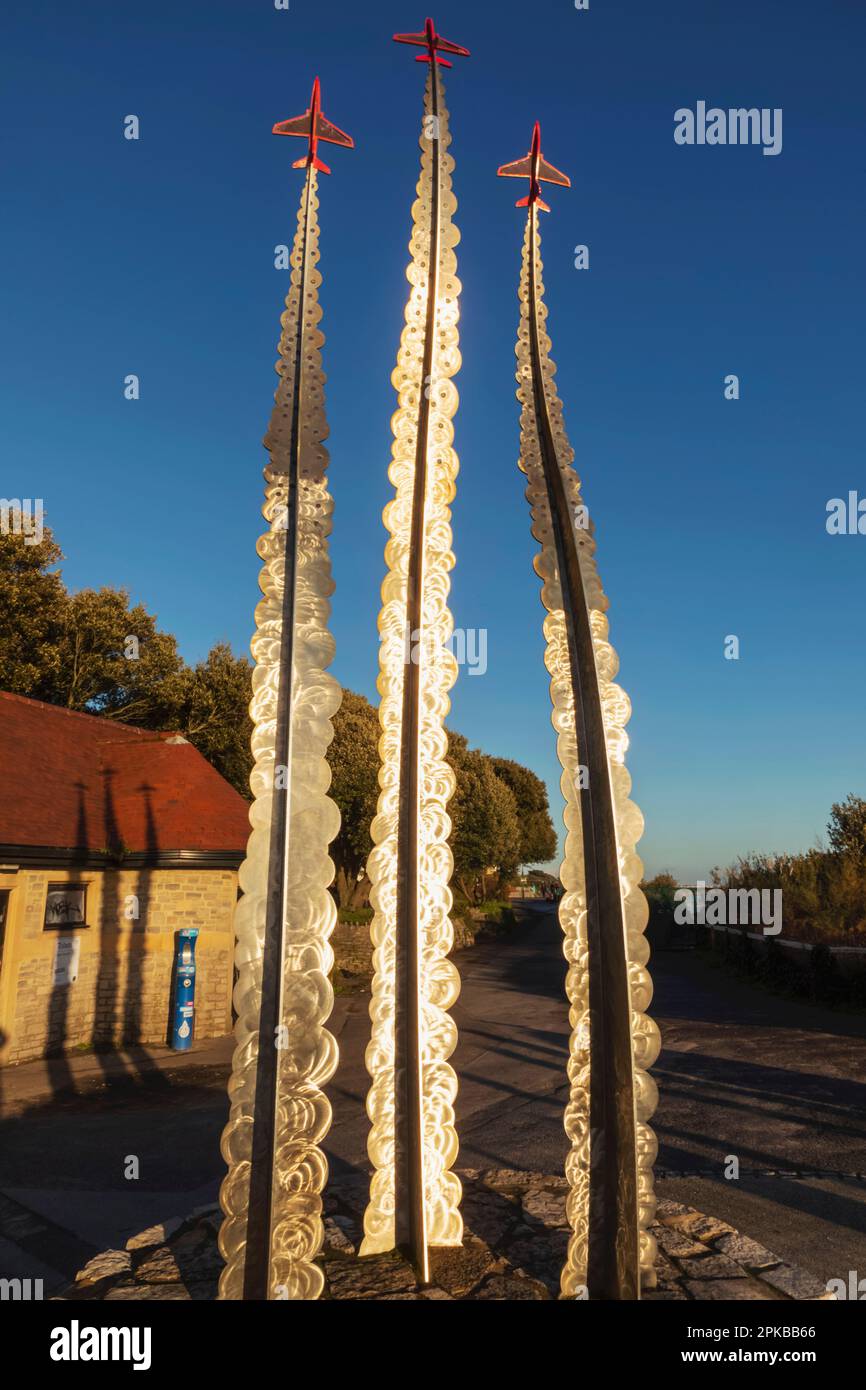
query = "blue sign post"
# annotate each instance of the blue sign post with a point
(183, 1004)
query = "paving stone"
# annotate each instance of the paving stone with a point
(746, 1251)
(665, 1272)
(508, 1179)
(197, 1256)
(695, 1224)
(201, 1293)
(155, 1235)
(103, 1266)
(712, 1267)
(796, 1283)
(665, 1208)
(489, 1215)
(148, 1293)
(709, 1228)
(524, 1231)
(675, 1220)
(737, 1290)
(158, 1267)
(541, 1257)
(551, 1182)
(371, 1277)
(459, 1270)
(675, 1243)
(336, 1239)
(510, 1288)
(548, 1208)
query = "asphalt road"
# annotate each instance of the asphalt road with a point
(779, 1084)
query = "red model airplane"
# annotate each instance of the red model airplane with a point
(314, 125)
(534, 167)
(434, 43)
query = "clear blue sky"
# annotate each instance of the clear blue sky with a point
(156, 257)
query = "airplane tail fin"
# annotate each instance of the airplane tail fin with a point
(316, 162)
(524, 203)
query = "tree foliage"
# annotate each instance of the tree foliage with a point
(32, 598)
(846, 830)
(354, 759)
(537, 835)
(485, 831)
(823, 893)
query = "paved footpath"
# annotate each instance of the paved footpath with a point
(778, 1083)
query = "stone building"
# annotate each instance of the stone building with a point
(112, 838)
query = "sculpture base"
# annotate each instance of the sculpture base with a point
(514, 1249)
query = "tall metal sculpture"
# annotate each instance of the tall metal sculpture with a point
(414, 1197)
(279, 1115)
(603, 912)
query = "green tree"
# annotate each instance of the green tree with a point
(214, 713)
(115, 661)
(846, 830)
(537, 835)
(485, 833)
(32, 604)
(660, 892)
(354, 759)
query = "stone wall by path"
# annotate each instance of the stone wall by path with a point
(514, 1248)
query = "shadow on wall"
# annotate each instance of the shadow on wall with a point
(117, 1023)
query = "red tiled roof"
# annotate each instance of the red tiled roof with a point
(73, 781)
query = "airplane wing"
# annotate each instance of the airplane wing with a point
(551, 175)
(296, 125)
(326, 130)
(520, 169)
(442, 45)
(448, 47)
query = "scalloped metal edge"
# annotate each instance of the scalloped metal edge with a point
(440, 982)
(308, 1052)
(646, 1040)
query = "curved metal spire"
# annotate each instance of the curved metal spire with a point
(413, 1196)
(271, 1195)
(603, 912)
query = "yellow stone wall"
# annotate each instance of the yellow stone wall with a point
(122, 994)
